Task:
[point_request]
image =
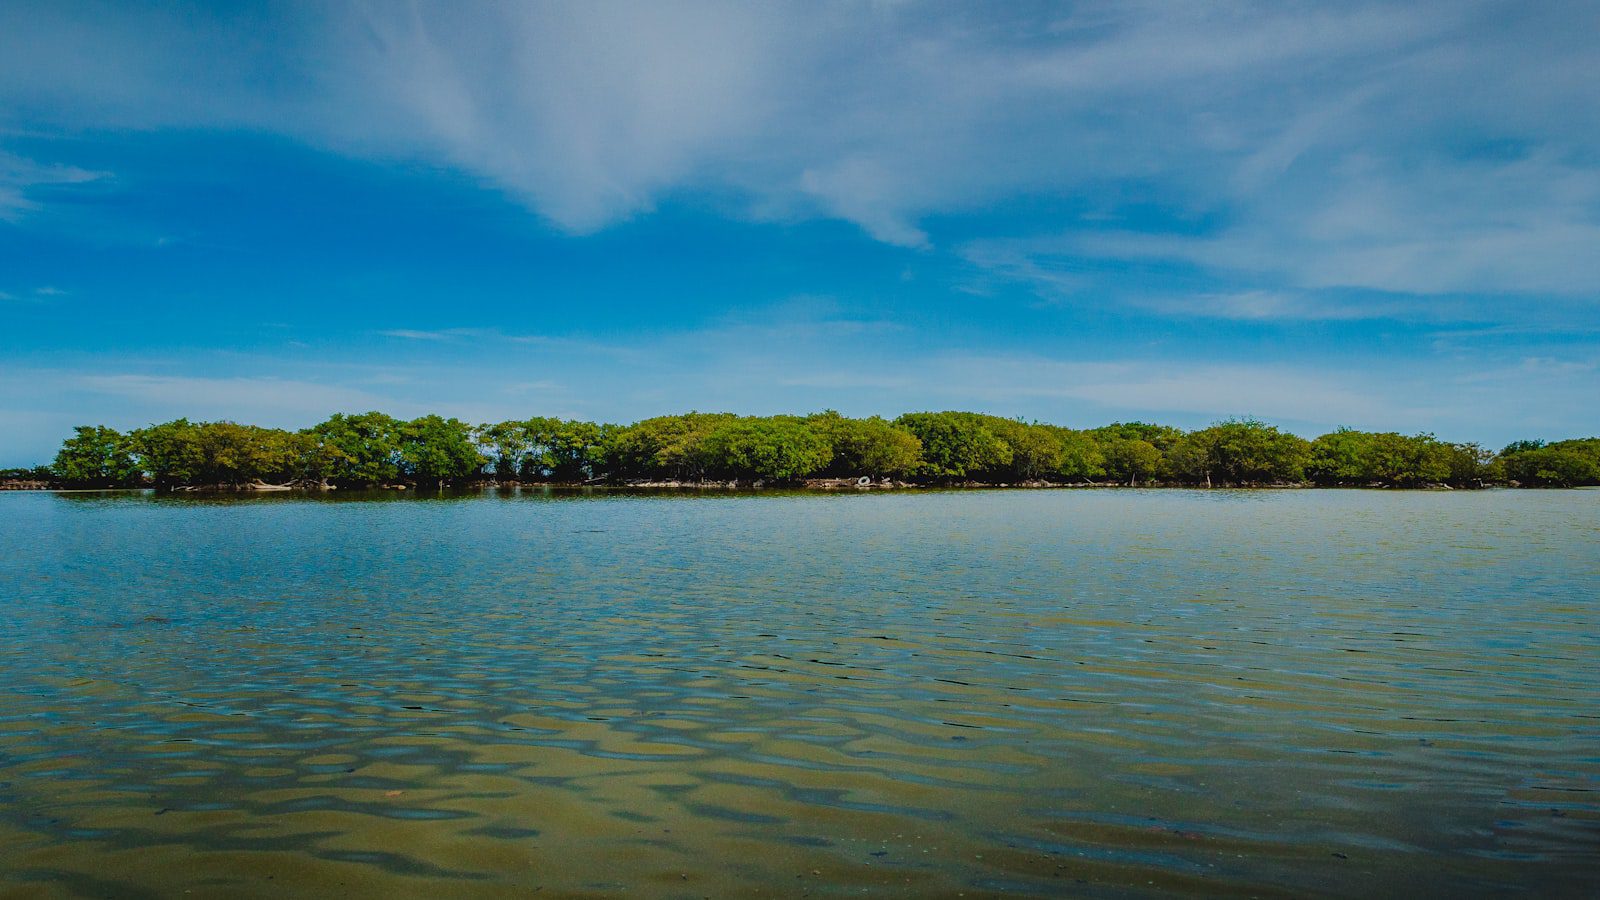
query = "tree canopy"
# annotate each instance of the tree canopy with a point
(1561, 464)
(371, 448)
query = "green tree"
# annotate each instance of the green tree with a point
(1081, 455)
(509, 448)
(96, 456)
(184, 453)
(871, 446)
(318, 459)
(46, 474)
(361, 449)
(1036, 450)
(667, 447)
(572, 450)
(1131, 459)
(956, 444)
(1161, 437)
(435, 450)
(1242, 451)
(779, 449)
(1560, 464)
(170, 453)
(1347, 456)
(1521, 447)
(1341, 457)
(231, 453)
(1469, 465)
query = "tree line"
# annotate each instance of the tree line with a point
(374, 449)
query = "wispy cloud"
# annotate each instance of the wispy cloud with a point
(1278, 118)
(1266, 306)
(417, 335)
(480, 338)
(21, 178)
(1526, 226)
(233, 398)
(37, 295)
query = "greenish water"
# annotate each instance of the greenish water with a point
(1109, 693)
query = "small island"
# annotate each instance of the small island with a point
(824, 450)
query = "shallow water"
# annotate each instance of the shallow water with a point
(1110, 693)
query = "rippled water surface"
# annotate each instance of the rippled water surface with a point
(1045, 692)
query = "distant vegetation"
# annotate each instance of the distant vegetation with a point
(371, 449)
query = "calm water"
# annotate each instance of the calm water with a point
(1106, 693)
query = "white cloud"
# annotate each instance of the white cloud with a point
(35, 296)
(1527, 225)
(866, 193)
(415, 335)
(259, 400)
(1264, 305)
(588, 114)
(20, 179)
(1327, 141)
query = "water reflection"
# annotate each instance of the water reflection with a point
(1270, 693)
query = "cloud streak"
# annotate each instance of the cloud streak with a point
(230, 398)
(1277, 120)
(21, 179)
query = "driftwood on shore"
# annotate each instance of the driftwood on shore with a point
(257, 485)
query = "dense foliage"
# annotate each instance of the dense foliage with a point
(371, 448)
(96, 456)
(1562, 464)
(1357, 457)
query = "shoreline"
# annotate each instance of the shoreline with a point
(744, 487)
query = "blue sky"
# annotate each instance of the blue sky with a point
(1378, 215)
